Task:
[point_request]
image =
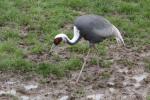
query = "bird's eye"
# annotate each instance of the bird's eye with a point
(57, 40)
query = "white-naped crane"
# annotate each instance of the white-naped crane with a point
(92, 28)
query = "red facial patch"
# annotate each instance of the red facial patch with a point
(57, 40)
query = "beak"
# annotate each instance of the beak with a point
(52, 47)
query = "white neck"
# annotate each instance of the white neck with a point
(118, 35)
(76, 36)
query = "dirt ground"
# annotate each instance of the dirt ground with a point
(118, 82)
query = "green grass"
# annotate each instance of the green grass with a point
(148, 98)
(147, 63)
(8, 96)
(105, 75)
(58, 69)
(126, 62)
(79, 48)
(102, 63)
(44, 20)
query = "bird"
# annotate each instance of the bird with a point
(94, 29)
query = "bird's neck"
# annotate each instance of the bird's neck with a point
(76, 37)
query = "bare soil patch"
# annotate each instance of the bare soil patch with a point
(126, 79)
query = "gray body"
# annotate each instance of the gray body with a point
(94, 28)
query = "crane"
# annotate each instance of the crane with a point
(94, 29)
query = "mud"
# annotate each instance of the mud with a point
(127, 79)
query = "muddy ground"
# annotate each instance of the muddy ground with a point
(128, 78)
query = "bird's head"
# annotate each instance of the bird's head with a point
(57, 41)
(59, 38)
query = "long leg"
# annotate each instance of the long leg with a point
(96, 56)
(83, 65)
(97, 59)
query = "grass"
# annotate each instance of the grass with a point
(148, 98)
(79, 48)
(147, 63)
(10, 96)
(105, 75)
(44, 19)
(126, 62)
(60, 68)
